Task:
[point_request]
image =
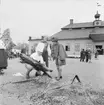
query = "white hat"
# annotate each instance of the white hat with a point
(40, 47)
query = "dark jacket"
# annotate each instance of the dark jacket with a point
(45, 56)
(82, 54)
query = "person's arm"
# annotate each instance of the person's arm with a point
(49, 51)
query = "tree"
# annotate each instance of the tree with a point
(21, 46)
(10, 46)
(7, 39)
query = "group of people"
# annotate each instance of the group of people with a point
(85, 55)
(42, 54)
(12, 55)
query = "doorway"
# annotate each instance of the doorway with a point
(99, 49)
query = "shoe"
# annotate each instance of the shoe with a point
(58, 78)
(37, 74)
(51, 70)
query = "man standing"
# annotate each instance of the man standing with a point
(82, 55)
(46, 52)
(96, 54)
(89, 55)
(59, 55)
(86, 53)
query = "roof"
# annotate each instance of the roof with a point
(97, 37)
(77, 33)
(38, 39)
(81, 25)
(34, 39)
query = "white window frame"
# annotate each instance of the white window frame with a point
(77, 47)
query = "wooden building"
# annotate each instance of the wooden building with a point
(77, 36)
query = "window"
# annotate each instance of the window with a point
(77, 47)
(89, 46)
(67, 47)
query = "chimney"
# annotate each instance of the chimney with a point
(30, 38)
(42, 37)
(71, 21)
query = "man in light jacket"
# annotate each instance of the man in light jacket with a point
(59, 55)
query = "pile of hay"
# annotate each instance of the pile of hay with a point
(44, 91)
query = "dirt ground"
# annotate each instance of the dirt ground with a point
(45, 91)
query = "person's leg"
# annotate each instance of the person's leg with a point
(86, 58)
(47, 63)
(80, 58)
(83, 59)
(59, 69)
(90, 59)
(29, 69)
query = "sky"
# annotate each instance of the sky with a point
(36, 18)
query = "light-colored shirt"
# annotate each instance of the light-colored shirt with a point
(35, 56)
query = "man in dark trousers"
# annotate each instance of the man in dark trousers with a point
(46, 52)
(86, 54)
(82, 55)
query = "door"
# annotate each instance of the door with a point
(99, 49)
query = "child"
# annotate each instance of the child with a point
(36, 56)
